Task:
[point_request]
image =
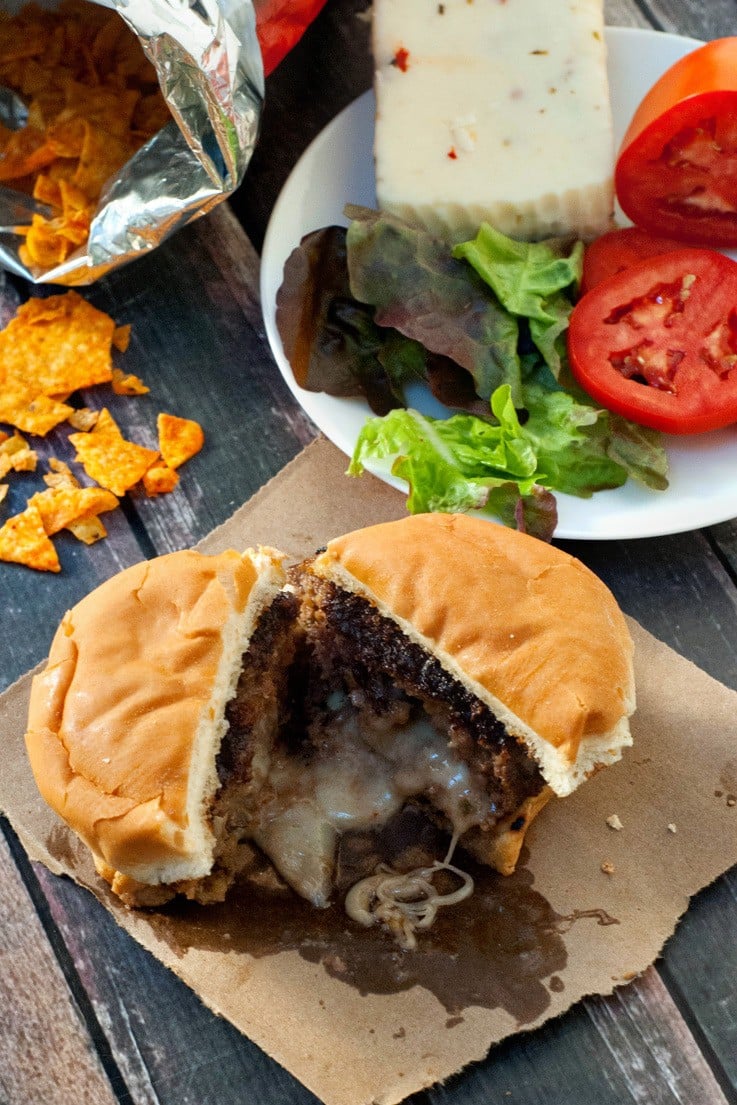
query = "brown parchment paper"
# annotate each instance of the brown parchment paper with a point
(298, 993)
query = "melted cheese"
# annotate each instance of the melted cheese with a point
(494, 112)
(360, 778)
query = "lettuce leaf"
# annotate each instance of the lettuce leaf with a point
(509, 467)
(418, 288)
(446, 473)
(529, 279)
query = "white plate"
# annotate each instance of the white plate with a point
(338, 169)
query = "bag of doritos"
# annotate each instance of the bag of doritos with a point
(119, 126)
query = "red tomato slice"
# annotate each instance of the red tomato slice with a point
(619, 250)
(658, 342)
(677, 168)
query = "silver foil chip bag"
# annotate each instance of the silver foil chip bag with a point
(208, 63)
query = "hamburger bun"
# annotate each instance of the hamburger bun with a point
(528, 629)
(126, 720)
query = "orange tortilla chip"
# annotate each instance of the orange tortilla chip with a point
(125, 383)
(101, 157)
(60, 343)
(25, 152)
(23, 540)
(122, 337)
(44, 246)
(34, 414)
(160, 480)
(109, 459)
(59, 506)
(47, 190)
(179, 439)
(4, 488)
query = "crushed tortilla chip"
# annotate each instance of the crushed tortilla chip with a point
(108, 458)
(60, 475)
(56, 345)
(83, 419)
(4, 488)
(179, 439)
(14, 444)
(122, 337)
(23, 540)
(25, 460)
(59, 506)
(160, 480)
(30, 412)
(16, 456)
(88, 530)
(125, 383)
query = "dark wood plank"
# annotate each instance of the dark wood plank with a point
(32, 602)
(325, 72)
(625, 13)
(170, 1049)
(168, 1046)
(702, 19)
(700, 968)
(45, 1051)
(198, 342)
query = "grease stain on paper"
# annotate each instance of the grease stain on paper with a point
(496, 950)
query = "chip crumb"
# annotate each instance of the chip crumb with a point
(732, 801)
(122, 337)
(87, 530)
(607, 867)
(125, 383)
(671, 828)
(614, 823)
(60, 475)
(160, 480)
(24, 460)
(84, 419)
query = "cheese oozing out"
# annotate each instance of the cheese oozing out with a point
(358, 780)
(494, 111)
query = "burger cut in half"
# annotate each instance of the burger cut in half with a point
(195, 706)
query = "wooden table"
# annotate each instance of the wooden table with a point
(86, 1016)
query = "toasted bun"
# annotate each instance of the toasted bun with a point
(126, 720)
(526, 628)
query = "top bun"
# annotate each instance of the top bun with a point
(526, 628)
(126, 721)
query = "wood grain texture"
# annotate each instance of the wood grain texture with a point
(702, 19)
(45, 1051)
(169, 1048)
(198, 341)
(700, 968)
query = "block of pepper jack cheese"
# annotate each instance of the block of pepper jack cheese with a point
(494, 110)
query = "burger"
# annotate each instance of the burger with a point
(195, 708)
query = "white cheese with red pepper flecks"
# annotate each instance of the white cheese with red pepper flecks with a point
(496, 111)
